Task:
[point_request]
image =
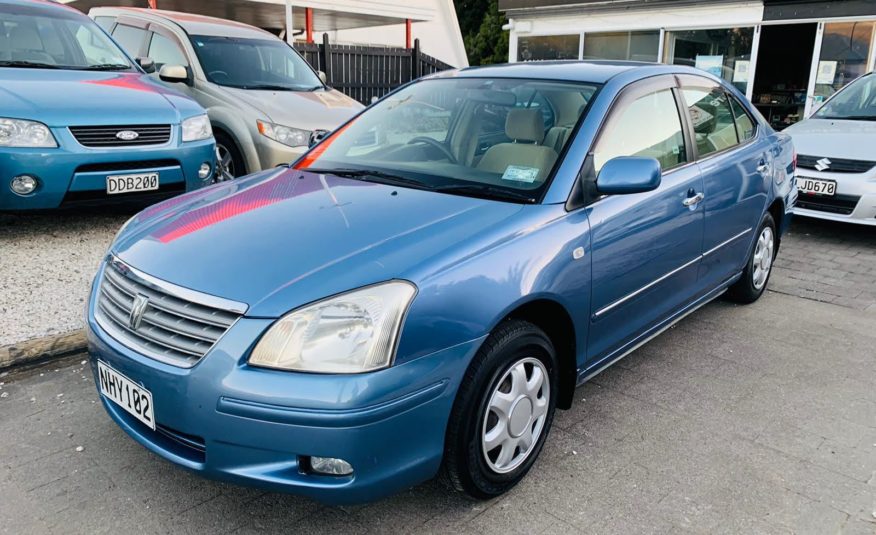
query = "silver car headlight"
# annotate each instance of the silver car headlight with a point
(21, 133)
(293, 137)
(353, 332)
(196, 128)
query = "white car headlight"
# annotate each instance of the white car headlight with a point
(196, 128)
(353, 332)
(286, 135)
(21, 133)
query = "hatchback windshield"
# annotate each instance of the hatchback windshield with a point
(254, 64)
(34, 37)
(498, 138)
(856, 102)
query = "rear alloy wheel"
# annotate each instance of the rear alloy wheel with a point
(503, 411)
(757, 271)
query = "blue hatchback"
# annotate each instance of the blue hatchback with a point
(421, 290)
(81, 123)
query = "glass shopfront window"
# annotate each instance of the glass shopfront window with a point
(545, 47)
(845, 51)
(724, 52)
(636, 46)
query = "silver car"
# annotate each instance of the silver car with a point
(265, 102)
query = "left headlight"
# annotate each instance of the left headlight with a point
(196, 128)
(21, 133)
(286, 135)
(353, 332)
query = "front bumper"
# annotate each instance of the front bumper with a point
(72, 174)
(854, 202)
(227, 420)
(273, 153)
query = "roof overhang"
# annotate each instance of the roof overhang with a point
(513, 7)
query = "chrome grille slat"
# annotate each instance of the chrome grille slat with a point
(170, 329)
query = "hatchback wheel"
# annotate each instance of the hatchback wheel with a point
(229, 162)
(503, 411)
(760, 263)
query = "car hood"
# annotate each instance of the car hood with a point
(307, 110)
(62, 98)
(852, 140)
(281, 239)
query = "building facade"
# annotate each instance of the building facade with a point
(787, 56)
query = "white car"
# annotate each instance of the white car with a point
(836, 162)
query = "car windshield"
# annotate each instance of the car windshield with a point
(495, 138)
(857, 101)
(254, 64)
(35, 37)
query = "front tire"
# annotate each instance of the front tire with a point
(229, 160)
(756, 275)
(503, 411)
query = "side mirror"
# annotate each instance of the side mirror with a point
(146, 64)
(322, 77)
(174, 74)
(628, 174)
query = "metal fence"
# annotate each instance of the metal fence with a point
(363, 72)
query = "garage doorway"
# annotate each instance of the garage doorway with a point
(781, 77)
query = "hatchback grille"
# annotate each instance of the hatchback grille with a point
(838, 204)
(837, 165)
(170, 329)
(106, 136)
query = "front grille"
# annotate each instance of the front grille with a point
(173, 330)
(838, 204)
(837, 165)
(105, 136)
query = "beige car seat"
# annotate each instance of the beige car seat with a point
(526, 128)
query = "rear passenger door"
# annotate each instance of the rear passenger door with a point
(734, 161)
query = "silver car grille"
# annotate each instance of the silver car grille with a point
(154, 319)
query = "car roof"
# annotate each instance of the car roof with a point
(48, 5)
(191, 23)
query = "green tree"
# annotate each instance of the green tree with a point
(481, 25)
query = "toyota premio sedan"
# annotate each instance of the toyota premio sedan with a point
(421, 290)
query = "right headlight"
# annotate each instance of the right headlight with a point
(353, 332)
(20, 133)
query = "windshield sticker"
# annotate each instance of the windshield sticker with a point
(519, 173)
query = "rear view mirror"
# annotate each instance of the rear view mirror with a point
(174, 74)
(322, 77)
(146, 64)
(628, 174)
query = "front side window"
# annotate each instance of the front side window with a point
(36, 37)
(648, 127)
(857, 101)
(130, 37)
(713, 122)
(471, 136)
(163, 51)
(267, 64)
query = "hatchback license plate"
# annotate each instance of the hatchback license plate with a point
(122, 391)
(128, 183)
(816, 186)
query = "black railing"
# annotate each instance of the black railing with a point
(364, 72)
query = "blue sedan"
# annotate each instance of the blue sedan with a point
(424, 288)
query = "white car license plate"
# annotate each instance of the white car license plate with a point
(136, 400)
(816, 186)
(127, 183)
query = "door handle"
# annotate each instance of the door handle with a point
(693, 201)
(763, 168)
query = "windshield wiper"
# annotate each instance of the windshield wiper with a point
(268, 87)
(104, 67)
(486, 191)
(28, 64)
(364, 174)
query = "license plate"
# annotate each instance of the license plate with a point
(816, 186)
(122, 391)
(128, 183)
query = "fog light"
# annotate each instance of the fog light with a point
(23, 184)
(330, 466)
(204, 171)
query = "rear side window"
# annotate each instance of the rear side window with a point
(744, 124)
(163, 51)
(649, 127)
(130, 38)
(712, 118)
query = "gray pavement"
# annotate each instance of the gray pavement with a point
(754, 419)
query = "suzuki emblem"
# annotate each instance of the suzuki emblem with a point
(822, 164)
(138, 308)
(127, 135)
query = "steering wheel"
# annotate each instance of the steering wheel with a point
(215, 74)
(435, 143)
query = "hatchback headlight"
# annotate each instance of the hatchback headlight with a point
(286, 135)
(21, 133)
(196, 128)
(350, 333)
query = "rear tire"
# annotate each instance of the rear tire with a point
(503, 411)
(758, 269)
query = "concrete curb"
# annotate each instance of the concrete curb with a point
(42, 349)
